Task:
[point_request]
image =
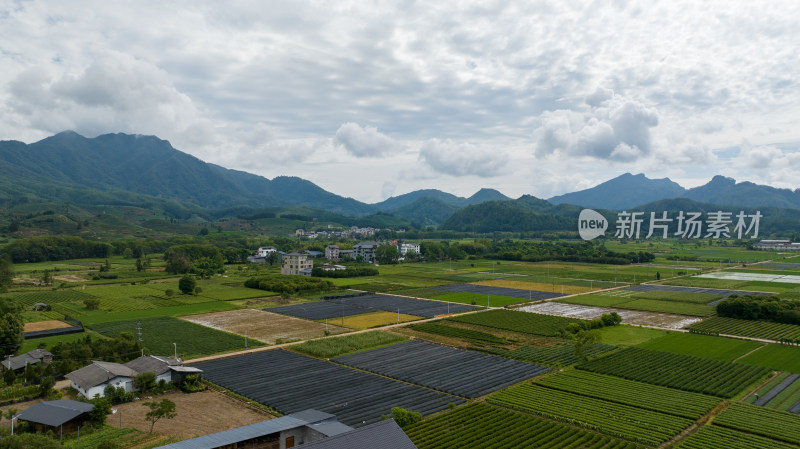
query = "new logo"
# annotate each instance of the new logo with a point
(591, 224)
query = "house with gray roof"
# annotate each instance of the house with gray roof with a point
(34, 357)
(380, 435)
(64, 414)
(93, 379)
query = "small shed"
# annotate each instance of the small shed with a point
(64, 414)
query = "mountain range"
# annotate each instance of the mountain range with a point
(123, 169)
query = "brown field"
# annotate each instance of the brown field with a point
(375, 319)
(198, 414)
(68, 278)
(45, 325)
(536, 286)
(265, 326)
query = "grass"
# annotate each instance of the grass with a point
(624, 335)
(370, 320)
(337, 346)
(479, 300)
(679, 308)
(95, 317)
(705, 346)
(777, 357)
(49, 342)
(647, 301)
(192, 340)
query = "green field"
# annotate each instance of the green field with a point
(612, 418)
(705, 346)
(525, 322)
(748, 328)
(637, 394)
(334, 347)
(777, 357)
(480, 426)
(683, 372)
(714, 437)
(672, 302)
(479, 300)
(762, 421)
(624, 335)
(192, 340)
(561, 354)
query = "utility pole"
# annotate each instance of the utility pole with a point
(176, 350)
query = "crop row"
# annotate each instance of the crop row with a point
(455, 371)
(333, 347)
(619, 420)
(684, 372)
(191, 339)
(525, 322)
(713, 437)
(748, 328)
(637, 394)
(561, 354)
(290, 382)
(480, 426)
(28, 299)
(458, 332)
(770, 423)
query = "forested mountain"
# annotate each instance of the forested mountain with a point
(623, 192)
(722, 190)
(482, 195)
(505, 216)
(90, 169)
(426, 211)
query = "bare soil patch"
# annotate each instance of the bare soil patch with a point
(265, 326)
(69, 278)
(45, 325)
(634, 317)
(199, 414)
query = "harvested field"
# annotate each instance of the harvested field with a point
(536, 286)
(265, 326)
(652, 319)
(45, 325)
(193, 419)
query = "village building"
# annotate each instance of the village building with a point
(63, 415)
(34, 357)
(294, 263)
(405, 247)
(92, 380)
(332, 252)
(365, 251)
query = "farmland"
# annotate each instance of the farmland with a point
(462, 373)
(530, 323)
(618, 420)
(357, 305)
(713, 437)
(265, 326)
(561, 354)
(290, 382)
(334, 347)
(761, 421)
(637, 394)
(192, 339)
(640, 318)
(705, 346)
(748, 328)
(480, 425)
(683, 372)
(777, 357)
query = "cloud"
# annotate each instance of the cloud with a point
(114, 93)
(462, 159)
(611, 128)
(759, 157)
(365, 141)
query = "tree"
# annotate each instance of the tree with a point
(46, 386)
(405, 417)
(187, 284)
(583, 339)
(47, 278)
(386, 254)
(9, 377)
(102, 407)
(139, 265)
(11, 325)
(92, 303)
(144, 381)
(6, 274)
(9, 414)
(164, 409)
(29, 441)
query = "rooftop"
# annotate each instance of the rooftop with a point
(55, 413)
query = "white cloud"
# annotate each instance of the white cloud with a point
(760, 157)
(463, 159)
(611, 128)
(365, 141)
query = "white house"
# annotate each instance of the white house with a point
(265, 251)
(406, 247)
(92, 380)
(332, 252)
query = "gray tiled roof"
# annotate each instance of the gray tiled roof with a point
(32, 357)
(55, 413)
(380, 435)
(245, 433)
(99, 372)
(151, 364)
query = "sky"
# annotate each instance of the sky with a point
(370, 99)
